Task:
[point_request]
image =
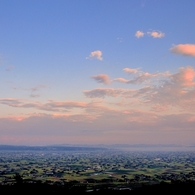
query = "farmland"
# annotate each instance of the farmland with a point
(95, 167)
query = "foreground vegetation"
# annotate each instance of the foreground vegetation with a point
(94, 170)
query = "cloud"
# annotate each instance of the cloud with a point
(126, 126)
(184, 49)
(10, 102)
(102, 93)
(163, 90)
(139, 34)
(185, 77)
(177, 91)
(162, 112)
(156, 34)
(102, 78)
(121, 80)
(130, 70)
(35, 89)
(140, 77)
(64, 104)
(95, 54)
(111, 92)
(56, 106)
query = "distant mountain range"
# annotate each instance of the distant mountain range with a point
(85, 147)
(46, 148)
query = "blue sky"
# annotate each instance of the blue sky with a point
(97, 72)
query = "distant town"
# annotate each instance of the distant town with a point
(94, 168)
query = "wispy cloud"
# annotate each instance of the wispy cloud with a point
(163, 90)
(166, 106)
(122, 80)
(170, 93)
(35, 89)
(102, 93)
(95, 54)
(49, 106)
(142, 77)
(139, 76)
(126, 126)
(130, 70)
(184, 49)
(102, 78)
(111, 92)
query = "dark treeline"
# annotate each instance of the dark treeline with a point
(179, 187)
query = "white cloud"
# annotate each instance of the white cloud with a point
(95, 54)
(156, 34)
(139, 34)
(184, 49)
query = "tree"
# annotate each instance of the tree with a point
(18, 178)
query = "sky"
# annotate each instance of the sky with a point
(97, 72)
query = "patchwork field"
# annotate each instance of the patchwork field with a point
(96, 167)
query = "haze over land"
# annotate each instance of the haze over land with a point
(97, 72)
